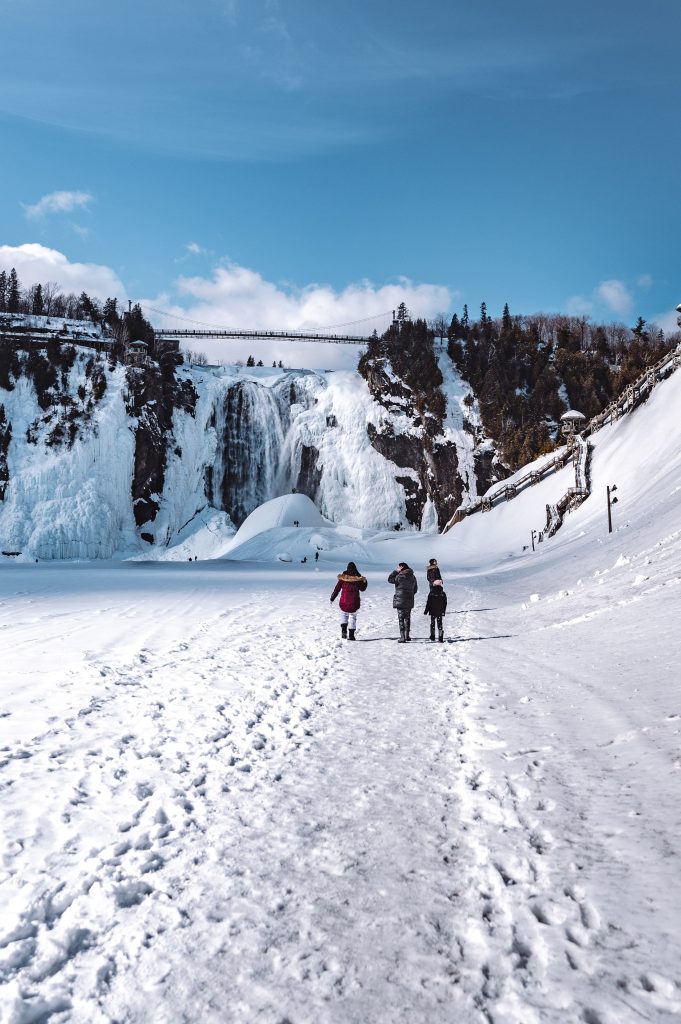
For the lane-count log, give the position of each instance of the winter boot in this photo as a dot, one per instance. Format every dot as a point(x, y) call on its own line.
point(441, 636)
point(407, 630)
point(344, 630)
point(351, 634)
point(432, 631)
point(402, 636)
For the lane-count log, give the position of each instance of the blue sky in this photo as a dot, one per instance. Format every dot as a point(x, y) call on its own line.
point(260, 160)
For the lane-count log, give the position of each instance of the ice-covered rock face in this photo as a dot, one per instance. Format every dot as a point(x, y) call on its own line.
point(123, 461)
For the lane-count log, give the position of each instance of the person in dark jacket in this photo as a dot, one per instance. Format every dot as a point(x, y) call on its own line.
point(405, 587)
point(350, 584)
point(432, 572)
point(436, 607)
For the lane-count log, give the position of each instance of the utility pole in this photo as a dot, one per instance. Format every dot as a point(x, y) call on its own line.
point(533, 535)
point(611, 501)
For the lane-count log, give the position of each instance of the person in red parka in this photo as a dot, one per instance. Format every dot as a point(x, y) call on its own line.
point(350, 584)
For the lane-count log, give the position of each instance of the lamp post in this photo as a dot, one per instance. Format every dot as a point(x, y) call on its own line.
point(611, 501)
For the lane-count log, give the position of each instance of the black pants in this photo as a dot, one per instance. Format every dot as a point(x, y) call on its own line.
point(404, 619)
point(433, 620)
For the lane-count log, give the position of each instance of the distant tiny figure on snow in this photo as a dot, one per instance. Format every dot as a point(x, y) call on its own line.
point(436, 607)
point(350, 584)
point(303, 560)
point(432, 572)
point(403, 600)
point(316, 556)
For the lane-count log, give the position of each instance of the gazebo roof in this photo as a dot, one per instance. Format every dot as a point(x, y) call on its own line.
point(572, 414)
point(138, 344)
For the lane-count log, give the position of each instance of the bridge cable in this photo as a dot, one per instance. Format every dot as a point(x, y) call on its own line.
point(221, 327)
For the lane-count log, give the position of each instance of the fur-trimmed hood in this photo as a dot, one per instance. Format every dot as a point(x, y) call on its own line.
point(345, 577)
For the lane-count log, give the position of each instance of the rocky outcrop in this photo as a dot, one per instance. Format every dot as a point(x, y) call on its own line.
point(153, 396)
point(420, 447)
point(310, 473)
point(5, 438)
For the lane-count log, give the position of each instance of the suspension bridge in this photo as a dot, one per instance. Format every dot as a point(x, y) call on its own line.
point(165, 334)
point(333, 335)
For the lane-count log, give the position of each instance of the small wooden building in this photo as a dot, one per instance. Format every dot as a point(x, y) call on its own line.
point(137, 353)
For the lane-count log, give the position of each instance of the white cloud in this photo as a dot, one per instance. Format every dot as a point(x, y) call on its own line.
point(57, 202)
point(667, 321)
point(611, 295)
point(577, 305)
point(237, 297)
point(645, 281)
point(36, 263)
point(615, 295)
point(194, 248)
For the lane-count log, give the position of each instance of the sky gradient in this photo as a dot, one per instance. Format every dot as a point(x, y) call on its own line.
point(249, 163)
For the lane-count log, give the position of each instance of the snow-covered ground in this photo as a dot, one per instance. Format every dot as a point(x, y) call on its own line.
point(216, 811)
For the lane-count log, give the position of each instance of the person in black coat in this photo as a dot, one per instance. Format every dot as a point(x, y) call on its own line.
point(403, 600)
point(432, 572)
point(436, 607)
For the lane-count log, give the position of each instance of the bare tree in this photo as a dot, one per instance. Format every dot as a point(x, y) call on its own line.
point(51, 294)
point(194, 358)
point(439, 325)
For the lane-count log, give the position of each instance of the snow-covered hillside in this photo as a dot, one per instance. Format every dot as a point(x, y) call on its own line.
point(217, 812)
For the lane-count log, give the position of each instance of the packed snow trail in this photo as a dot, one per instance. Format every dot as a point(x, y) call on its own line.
point(247, 820)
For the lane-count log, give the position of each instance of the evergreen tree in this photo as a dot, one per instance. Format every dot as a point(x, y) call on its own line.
point(403, 314)
point(13, 295)
point(506, 322)
point(638, 331)
point(110, 313)
point(138, 328)
point(88, 308)
point(3, 290)
point(38, 306)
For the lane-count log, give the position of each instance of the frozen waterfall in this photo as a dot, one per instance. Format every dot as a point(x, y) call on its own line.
point(252, 462)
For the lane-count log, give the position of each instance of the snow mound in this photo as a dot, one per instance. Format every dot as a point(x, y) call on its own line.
point(284, 511)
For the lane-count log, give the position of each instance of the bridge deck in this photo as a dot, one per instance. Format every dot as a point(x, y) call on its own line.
point(334, 339)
